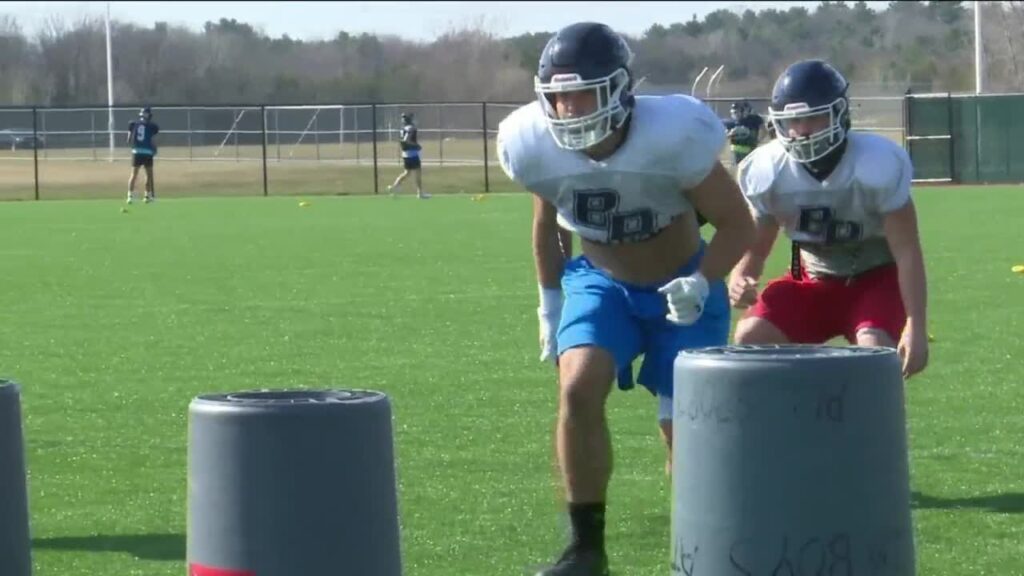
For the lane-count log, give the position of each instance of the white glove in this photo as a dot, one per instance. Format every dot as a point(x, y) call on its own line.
point(686, 298)
point(550, 314)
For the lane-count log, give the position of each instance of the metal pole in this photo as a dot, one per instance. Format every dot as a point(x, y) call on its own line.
point(693, 89)
point(110, 88)
point(35, 149)
point(263, 142)
point(234, 132)
point(42, 128)
point(277, 132)
point(440, 130)
point(715, 82)
point(979, 52)
point(977, 138)
point(711, 83)
point(487, 179)
point(952, 138)
point(373, 117)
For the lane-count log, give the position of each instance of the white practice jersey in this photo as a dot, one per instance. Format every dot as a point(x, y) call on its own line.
point(838, 222)
point(672, 144)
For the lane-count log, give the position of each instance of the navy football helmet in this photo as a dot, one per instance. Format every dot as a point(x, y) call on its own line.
point(586, 56)
point(407, 117)
point(740, 109)
point(145, 113)
point(810, 91)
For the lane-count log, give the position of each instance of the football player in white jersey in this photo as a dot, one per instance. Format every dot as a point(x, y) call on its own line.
point(843, 198)
point(627, 174)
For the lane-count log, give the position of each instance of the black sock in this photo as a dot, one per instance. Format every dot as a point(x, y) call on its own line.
point(587, 525)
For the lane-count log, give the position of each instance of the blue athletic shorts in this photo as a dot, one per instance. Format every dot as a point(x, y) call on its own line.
point(628, 320)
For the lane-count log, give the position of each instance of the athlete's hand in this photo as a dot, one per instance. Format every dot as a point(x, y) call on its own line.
point(742, 291)
point(550, 314)
point(913, 349)
point(685, 296)
point(548, 329)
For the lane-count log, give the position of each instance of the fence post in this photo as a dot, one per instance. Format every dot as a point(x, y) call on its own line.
point(977, 139)
point(188, 128)
point(905, 111)
point(358, 135)
point(263, 130)
point(373, 117)
point(440, 129)
point(316, 133)
point(35, 149)
point(42, 124)
point(952, 138)
point(277, 132)
point(487, 179)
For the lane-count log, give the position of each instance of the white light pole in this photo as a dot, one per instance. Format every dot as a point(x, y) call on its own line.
point(110, 89)
point(979, 52)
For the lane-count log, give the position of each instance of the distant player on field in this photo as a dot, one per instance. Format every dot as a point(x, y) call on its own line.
point(410, 156)
point(140, 138)
point(744, 130)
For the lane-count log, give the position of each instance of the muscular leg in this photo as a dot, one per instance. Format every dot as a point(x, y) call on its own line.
point(584, 449)
point(583, 441)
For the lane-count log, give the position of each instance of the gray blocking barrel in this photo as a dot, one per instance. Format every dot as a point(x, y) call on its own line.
point(790, 461)
point(15, 545)
point(290, 482)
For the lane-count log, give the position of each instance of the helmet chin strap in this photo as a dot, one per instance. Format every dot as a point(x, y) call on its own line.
point(822, 167)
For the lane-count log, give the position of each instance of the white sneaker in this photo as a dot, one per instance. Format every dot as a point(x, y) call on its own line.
point(149, 199)
point(130, 199)
point(424, 196)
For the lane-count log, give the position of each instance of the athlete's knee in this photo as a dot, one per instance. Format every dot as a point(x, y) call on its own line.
point(666, 431)
point(585, 379)
point(757, 330)
point(874, 337)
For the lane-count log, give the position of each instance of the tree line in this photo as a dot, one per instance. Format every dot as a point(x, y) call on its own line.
point(924, 46)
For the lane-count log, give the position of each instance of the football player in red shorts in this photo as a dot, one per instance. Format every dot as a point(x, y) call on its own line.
point(843, 198)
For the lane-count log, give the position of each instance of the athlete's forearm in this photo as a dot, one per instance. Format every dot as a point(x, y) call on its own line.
point(751, 265)
point(733, 237)
point(548, 257)
point(913, 287)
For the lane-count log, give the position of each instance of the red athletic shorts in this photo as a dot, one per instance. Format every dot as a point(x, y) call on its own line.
point(813, 311)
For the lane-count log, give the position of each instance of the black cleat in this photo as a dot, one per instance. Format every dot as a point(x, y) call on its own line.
point(579, 562)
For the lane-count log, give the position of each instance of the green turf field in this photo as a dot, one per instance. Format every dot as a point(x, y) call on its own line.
point(113, 322)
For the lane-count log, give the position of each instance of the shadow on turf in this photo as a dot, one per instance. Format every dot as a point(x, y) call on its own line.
point(1010, 503)
point(169, 547)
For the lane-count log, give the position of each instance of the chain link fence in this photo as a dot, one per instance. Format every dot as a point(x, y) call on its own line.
point(53, 153)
